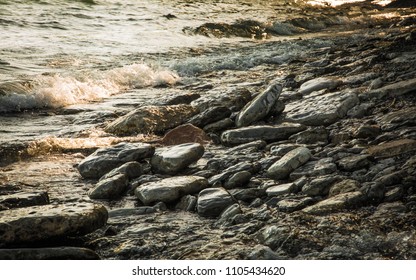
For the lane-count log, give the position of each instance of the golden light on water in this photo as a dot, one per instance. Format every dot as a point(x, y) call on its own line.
point(335, 3)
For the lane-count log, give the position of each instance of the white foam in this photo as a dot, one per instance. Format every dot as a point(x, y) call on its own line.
point(54, 91)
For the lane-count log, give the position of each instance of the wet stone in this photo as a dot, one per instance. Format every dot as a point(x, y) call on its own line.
point(37, 223)
point(104, 160)
point(23, 199)
point(187, 203)
point(172, 159)
point(288, 163)
point(238, 180)
point(170, 189)
point(110, 188)
point(213, 201)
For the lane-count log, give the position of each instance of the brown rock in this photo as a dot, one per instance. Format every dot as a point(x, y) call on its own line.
point(393, 148)
point(186, 133)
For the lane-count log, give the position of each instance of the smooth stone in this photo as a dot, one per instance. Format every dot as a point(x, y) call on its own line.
point(320, 167)
point(280, 189)
point(336, 203)
point(355, 162)
point(210, 115)
point(288, 163)
point(347, 185)
point(131, 169)
point(238, 180)
point(319, 84)
point(393, 148)
point(322, 109)
point(187, 203)
point(23, 199)
point(37, 223)
point(392, 90)
point(320, 186)
point(186, 133)
point(110, 188)
point(219, 125)
point(213, 201)
point(262, 132)
point(170, 189)
point(313, 135)
point(260, 107)
point(53, 253)
point(294, 204)
point(172, 159)
point(104, 160)
point(151, 119)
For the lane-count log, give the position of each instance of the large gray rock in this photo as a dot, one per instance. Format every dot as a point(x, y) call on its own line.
point(104, 160)
point(23, 199)
point(289, 162)
point(336, 203)
point(172, 159)
point(262, 132)
point(151, 119)
point(54, 253)
point(39, 223)
point(110, 188)
point(318, 84)
point(213, 201)
point(261, 106)
point(170, 189)
point(320, 110)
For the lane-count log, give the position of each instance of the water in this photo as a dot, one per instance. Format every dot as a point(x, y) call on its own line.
point(97, 59)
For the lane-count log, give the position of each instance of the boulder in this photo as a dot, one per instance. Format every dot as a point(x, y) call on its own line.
point(110, 188)
point(319, 84)
point(260, 107)
point(23, 199)
point(289, 162)
point(186, 133)
point(213, 201)
point(336, 203)
point(38, 223)
point(104, 160)
point(172, 159)
point(262, 132)
point(54, 253)
point(151, 119)
point(320, 110)
point(170, 189)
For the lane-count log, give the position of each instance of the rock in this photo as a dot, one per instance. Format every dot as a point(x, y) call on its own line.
point(58, 253)
point(131, 169)
point(261, 252)
point(263, 132)
point(281, 189)
point(394, 194)
point(187, 203)
point(347, 185)
point(320, 186)
point(322, 109)
point(336, 203)
point(228, 214)
point(104, 160)
point(319, 84)
point(393, 120)
point(128, 212)
point(247, 195)
point(210, 115)
point(234, 99)
point(151, 119)
point(232, 170)
point(294, 204)
point(23, 199)
point(282, 149)
point(170, 189)
point(213, 201)
point(315, 168)
point(392, 90)
point(110, 188)
point(367, 131)
point(393, 148)
point(238, 180)
point(183, 99)
point(289, 162)
point(313, 135)
point(37, 223)
point(219, 125)
point(355, 162)
point(186, 133)
point(172, 159)
point(260, 107)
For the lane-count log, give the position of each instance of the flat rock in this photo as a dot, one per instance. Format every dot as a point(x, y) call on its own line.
point(104, 160)
point(393, 148)
point(289, 162)
point(110, 188)
point(172, 159)
point(280, 189)
point(320, 186)
point(294, 204)
point(219, 125)
point(186, 133)
point(344, 186)
point(313, 135)
point(170, 189)
point(151, 119)
point(354, 162)
point(261, 106)
point(54, 253)
point(321, 109)
point(210, 115)
point(319, 84)
point(336, 203)
point(23, 199)
point(315, 168)
point(262, 132)
point(39, 223)
point(213, 201)
point(392, 90)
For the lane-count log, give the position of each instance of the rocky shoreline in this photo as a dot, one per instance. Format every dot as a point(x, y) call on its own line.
point(316, 162)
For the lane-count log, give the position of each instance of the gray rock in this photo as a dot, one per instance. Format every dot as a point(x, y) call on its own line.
point(247, 195)
point(57, 253)
point(347, 185)
point(320, 167)
point(235, 99)
point(37, 223)
point(229, 213)
point(187, 203)
point(104, 160)
point(129, 212)
point(23, 199)
point(319, 84)
point(355, 162)
point(294, 204)
point(151, 119)
point(367, 131)
point(219, 125)
point(282, 149)
point(227, 173)
point(213, 201)
point(392, 90)
point(260, 106)
point(261, 252)
point(322, 109)
point(313, 135)
point(394, 194)
point(393, 120)
point(320, 186)
point(210, 115)
point(131, 169)
point(238, 180)
point(336, 203)
point(110, 188)
point(281, 189)
point(170, 189)
point(263, 132)
point(172, 159)
point(289, 162)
